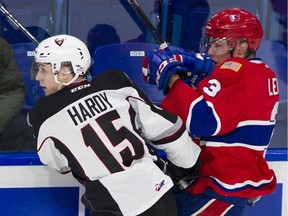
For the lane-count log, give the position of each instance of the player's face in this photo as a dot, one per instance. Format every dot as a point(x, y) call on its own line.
point(218, 51)
point(46, 79)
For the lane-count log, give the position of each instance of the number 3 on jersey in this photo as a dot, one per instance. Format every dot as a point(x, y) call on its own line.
point(115, 136)
point(213, 89)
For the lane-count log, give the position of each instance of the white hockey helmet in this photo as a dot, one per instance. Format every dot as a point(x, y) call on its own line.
point(64, 48)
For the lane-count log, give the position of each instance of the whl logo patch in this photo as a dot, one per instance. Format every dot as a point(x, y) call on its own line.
point(158, 186)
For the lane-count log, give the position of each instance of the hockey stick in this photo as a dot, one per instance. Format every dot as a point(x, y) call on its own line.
point(183, 73)
point(136, 7)
point(17, 24)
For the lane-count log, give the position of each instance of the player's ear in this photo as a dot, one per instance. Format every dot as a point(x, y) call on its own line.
point(66, 71)
point(64, 74)
point(242, 47)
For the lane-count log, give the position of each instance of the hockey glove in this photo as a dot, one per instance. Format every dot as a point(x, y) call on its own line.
point(199, 66)
point(158, 66)
point(182, 177)
point(160, 161)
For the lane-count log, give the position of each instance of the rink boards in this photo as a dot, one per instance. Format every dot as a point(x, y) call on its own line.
point(28, 188)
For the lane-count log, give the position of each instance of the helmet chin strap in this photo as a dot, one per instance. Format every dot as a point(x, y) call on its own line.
point(72, 80)
point(230, 52)
point(61, 84)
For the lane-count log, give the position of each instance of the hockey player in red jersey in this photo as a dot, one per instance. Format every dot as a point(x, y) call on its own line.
point(100, 131)
point(231, 111)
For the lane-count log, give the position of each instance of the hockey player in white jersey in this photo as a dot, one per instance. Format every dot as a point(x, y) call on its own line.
point(100, 131)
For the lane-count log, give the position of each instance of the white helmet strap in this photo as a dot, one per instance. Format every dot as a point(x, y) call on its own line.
point(60, 86)
point(72, 80)
point(67, 83)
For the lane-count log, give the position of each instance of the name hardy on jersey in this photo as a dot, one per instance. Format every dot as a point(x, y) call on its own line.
point(89, 108)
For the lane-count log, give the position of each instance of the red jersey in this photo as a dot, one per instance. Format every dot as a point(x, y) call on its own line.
point(233, 113)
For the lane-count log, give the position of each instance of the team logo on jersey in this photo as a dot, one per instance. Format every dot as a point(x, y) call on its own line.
point(235, 66)
point(158, 186)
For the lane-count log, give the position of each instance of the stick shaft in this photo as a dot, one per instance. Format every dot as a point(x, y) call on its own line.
point(134, 4)
point(17, 24)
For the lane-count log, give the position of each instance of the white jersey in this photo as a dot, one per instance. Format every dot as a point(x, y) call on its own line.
point(99, 131)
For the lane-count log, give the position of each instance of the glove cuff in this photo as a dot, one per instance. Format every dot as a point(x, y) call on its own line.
point(164, 72)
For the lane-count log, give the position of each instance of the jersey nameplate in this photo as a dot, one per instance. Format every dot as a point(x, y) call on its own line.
point(88, 108)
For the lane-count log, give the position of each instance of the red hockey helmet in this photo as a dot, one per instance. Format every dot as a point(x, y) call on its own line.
point(235, 23)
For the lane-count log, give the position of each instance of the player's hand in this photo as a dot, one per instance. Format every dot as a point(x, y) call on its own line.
point(180, 176)
point(199, 66)
point(158, 66)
